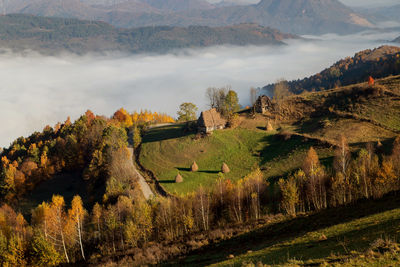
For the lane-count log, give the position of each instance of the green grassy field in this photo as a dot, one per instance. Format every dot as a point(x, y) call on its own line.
point(339, 237)
point(166, 151)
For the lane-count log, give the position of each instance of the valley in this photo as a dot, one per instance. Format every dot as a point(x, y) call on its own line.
point(199, 133)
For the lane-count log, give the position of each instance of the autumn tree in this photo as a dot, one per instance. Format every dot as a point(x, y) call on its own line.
point(316, 190)
point(57, 220)
point(341, 165)
point(76, 216)
point(97, 213)
point(290, 195)
point(123, 117)
point(187, 112)
point(231, 103)
point(137, 138)
point(42, 252)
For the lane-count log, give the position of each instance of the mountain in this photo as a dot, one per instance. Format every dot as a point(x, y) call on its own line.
point(294, 16)
point(382, 14)
point(397, 40)
point(52, 35)
point(179, 5)
point(378, 63)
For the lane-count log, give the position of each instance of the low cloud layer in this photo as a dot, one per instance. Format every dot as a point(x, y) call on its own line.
point(36, 91)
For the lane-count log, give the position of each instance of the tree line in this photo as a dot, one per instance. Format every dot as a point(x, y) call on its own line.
point(121, 224)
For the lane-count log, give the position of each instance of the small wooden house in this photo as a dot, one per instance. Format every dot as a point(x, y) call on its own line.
point(263, 104)
point(210, 120)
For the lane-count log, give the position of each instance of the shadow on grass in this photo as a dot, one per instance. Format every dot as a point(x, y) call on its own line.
point(165, 133)
point(183, 169)
point(167, 181)
point(202, 171)
point(287, 230)
point(282, 148)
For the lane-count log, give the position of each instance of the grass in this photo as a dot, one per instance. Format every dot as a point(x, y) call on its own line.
point(166, 156)
point(349, 231)
point(242, 149)
point(168, 150)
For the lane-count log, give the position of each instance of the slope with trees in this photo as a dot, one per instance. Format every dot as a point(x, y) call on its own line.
point(378, 63)
point(52, 35)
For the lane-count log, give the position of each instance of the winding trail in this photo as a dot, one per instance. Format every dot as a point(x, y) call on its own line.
point(146, 190)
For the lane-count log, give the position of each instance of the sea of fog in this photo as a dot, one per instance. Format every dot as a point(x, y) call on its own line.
point(36, 90)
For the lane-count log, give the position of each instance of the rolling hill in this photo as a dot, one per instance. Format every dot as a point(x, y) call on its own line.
point(316, 119)
point(378, 63)
point(294, 16)
point(52, 35)
point(287, 200)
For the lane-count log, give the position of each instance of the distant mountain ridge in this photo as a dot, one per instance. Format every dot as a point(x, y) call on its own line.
point(52, 35)
point(294, 16)
point(378, 63)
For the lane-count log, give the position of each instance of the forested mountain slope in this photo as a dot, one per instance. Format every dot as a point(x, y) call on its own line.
point(51, 35)
point(378, 63)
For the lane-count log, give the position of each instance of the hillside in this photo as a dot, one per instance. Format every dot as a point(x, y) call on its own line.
point(378, 63)
point(364, 234)
point(313, 119)
point(313, 180)
point(397, 40)
point(294, 16)
point(52, 35)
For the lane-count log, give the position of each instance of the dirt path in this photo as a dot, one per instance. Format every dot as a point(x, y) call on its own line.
point(146, 190)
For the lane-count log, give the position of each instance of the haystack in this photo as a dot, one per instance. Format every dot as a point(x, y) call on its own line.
point(269, 126)
point(178, 178)
point(225, 168)
point(194, 167)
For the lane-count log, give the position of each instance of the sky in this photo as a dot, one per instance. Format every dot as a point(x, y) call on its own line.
point(373, 3)
point(36, 91)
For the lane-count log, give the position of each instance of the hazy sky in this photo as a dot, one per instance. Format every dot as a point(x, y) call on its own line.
point(347, 2)
point(36, 90)
point(370, 2)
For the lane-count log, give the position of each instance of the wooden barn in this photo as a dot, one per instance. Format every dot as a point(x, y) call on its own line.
point(210, 120)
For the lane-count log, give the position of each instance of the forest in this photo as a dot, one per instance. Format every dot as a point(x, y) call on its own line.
point(54, 35)
point(150, 232)
point(377, 63)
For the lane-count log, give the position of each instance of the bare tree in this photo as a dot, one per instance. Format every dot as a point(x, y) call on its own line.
point(216, 96)
point(281, 91)
point(253, 95)
point(211, 95)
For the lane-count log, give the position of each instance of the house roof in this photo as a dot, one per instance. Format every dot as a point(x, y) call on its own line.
point(212, 118)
